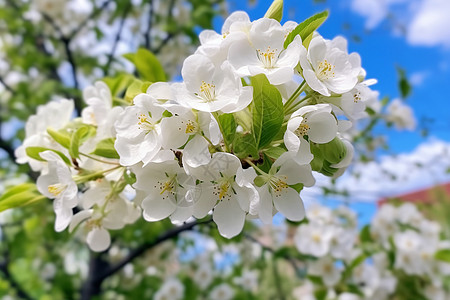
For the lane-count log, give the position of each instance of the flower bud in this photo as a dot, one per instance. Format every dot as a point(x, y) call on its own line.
point(334, 151)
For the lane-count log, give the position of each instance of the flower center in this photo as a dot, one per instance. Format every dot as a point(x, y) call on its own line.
point(268, 58)
point(303, 129)
point(167, 186)
point(325, 70)
point(278, 184)
point(316, 238)
point(56, 189)
point(191, 127)
point(208, 91)
point(144, 123)
point(222, 190)
point(356, 97)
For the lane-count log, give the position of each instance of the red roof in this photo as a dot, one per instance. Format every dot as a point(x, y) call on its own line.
point(428, 195)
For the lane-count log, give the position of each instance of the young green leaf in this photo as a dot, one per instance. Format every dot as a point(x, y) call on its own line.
point(228, 127)
point(105, 148)
point(76, 141)
point(60, 137)
point(34, 152)
point(147, 65)
point(443, 255)
point(403, 83)
point(306, 29)
point(267, 110)
point(19, 195)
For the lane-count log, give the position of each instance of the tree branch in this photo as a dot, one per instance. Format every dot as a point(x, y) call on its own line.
point(169, 35)
point(99, 270)
point(70, 59)
point(7, 87)
point(148, 35)
point(94, 14)
point(117, 39)
point(144, 247)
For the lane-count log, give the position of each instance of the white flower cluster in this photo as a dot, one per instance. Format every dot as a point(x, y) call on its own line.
point(399, 247)
point(332, 237)
point(255, 114)
point(414, 240)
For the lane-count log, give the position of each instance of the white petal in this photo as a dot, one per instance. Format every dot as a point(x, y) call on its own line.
point(290, 204)
point(157, 208)
point(98, 239)
point(315, 83)
point(174, 133)
point(265, 209)
point(180, 215)
point(229, 217)
point(205, 200)
point(323, 127)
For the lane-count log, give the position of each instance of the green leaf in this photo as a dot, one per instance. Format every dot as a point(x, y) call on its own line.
point(403, 83)
point(60, 137)
point(274, 152)
point(365, 236)
point(17, 189)
point(297, 187)
point(228, 127)
point(21, 195)
point(147, 65)
point(244, 145)
point(105, 148)
point(130, 177)
point(135, 88)
point(443, 255)
point(34, 152)
point(267, 111)
point(306, 29)
point(77, 140)
point(275, 10)
point(118, 83)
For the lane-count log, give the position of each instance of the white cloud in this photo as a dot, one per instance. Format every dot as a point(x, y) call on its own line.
point(427, 22)
point(374, 10)
point(430, 25)
point(424, 167)
point(418, 78)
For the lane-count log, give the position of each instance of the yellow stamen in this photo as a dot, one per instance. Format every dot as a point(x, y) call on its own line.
point(223, 190)
point(325, 70)
point(268, 58)
point(208, 91)
point(56, 189)
point(144, 123)
point(191, 127)
point(303, 129)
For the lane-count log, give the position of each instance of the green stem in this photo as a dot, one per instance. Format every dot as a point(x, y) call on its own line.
point(88, 177)
point(255, 166)
point(296, 93)
point(99, 160)
point(297, 105)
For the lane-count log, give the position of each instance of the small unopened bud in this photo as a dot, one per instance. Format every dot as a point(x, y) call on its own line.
point(334, 151)
point(275, 10)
